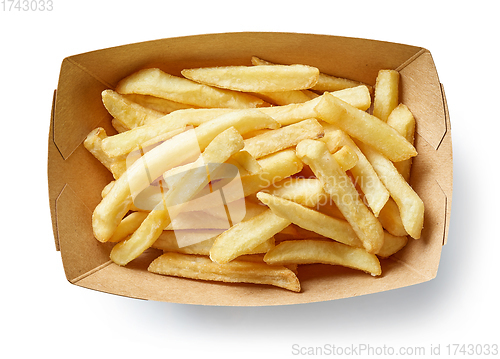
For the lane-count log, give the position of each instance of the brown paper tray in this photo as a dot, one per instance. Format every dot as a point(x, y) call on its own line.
point(76, 178)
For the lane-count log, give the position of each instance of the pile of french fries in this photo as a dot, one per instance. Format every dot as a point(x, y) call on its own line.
point(243, 173)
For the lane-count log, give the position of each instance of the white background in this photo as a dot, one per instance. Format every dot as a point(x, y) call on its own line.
point(43, 314)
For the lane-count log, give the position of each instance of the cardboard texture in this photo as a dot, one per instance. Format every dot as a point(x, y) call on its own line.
point(76, 178)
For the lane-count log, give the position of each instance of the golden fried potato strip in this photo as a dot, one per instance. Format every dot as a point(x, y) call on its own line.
point(342, 191)
point(237, 271)
point(309, 251)
point(364, 127)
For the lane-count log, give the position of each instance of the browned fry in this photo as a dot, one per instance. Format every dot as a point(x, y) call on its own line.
point(238, 271)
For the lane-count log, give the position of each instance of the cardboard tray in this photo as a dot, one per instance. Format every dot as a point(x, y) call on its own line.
point(76, 178)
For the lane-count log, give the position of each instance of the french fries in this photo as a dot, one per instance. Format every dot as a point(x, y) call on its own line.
point(409, 203)
point(265, 78)
point(375, 193)
point(312, 220)
point(365, 127)
point(157, 83)
point(93, 143)
point(244, 173)
point(198, 267)
point(386, 94)
point(216, 152)
point(284, 137)
point(340, 188)
point(245, 236)
point(128, 113)
point(308, 251)
point(402, 120)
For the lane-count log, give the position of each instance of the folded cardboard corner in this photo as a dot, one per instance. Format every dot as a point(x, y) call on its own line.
point(76, 178)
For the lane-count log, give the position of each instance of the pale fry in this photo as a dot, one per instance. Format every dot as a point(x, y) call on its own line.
point(311, 220)
point(386, 93)
point(130, 114)
point(410, 205)
point(284, 137)
point(342, 191)
point(185, 188)
point(309, 251)
point(245, 236)
point(402, 120)
point(157, 83)
point(374, 190)
point(238, 271)
point(364, 127)
point(93, 143)
point(265, 78)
